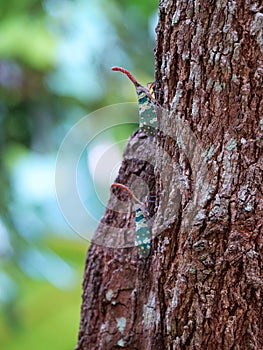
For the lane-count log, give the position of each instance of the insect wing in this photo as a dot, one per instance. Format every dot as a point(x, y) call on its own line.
point(147, 113)
point(143, 235)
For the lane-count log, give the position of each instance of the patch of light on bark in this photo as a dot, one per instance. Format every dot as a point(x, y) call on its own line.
point(109, 294)
point(121, 324)
point(257, 29)
point(231, 144)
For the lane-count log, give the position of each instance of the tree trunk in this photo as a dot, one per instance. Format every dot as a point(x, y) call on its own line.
point(201, 286)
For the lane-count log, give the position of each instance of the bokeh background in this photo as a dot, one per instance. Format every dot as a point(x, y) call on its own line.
point(55, 60)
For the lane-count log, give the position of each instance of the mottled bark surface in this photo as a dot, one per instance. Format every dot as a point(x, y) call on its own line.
point(201, 287)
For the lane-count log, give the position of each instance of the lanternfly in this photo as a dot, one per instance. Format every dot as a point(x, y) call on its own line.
point(147, 112)
point(143, 235)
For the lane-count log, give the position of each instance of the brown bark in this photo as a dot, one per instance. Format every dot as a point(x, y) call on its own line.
point(201, 287)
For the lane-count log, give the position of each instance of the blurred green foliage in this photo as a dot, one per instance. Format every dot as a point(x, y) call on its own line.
point(42, 315)
point(55, 60)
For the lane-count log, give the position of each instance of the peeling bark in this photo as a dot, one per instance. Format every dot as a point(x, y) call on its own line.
point(201, 287)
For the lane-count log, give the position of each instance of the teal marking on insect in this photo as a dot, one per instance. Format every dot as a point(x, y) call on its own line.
point(143, 235)
point(147, 112)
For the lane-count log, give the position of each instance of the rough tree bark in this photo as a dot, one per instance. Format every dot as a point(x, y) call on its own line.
point(201, 287)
